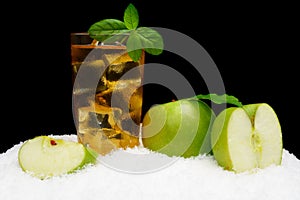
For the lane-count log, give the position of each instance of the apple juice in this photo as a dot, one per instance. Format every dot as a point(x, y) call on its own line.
point(107, 95)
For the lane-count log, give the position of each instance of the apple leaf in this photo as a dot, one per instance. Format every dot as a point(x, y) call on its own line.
point(131, 17)
point(219, 99)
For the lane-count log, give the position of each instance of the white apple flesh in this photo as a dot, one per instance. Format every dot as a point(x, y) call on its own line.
point(46, 157)
point(247, 138)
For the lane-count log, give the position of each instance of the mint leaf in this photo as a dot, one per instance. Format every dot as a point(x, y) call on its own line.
point(106, 28)
point(137, 39)
point(152, 41)
point(134, 46)
point(219, 99)
point(144, 38)
point(131, 17)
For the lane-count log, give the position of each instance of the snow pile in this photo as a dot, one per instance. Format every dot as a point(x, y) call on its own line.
point(113, 177)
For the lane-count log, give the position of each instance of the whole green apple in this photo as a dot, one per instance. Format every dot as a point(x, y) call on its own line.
point(247, 137)
point(179, 128)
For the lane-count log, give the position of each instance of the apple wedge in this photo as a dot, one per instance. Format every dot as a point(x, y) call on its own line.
point(247, 137)
point(46, 157)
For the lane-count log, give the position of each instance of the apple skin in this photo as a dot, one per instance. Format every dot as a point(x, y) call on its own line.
point(45, 157)
point(262, 144)
point(178, 128)
point(219, 139)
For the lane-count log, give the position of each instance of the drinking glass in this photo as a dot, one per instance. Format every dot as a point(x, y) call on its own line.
point(107, 92)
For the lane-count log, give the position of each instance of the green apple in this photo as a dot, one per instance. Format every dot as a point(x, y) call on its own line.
point(46, 157)
point(179, 128)
point(247, 137)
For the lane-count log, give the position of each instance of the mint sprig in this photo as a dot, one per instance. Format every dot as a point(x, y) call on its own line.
point(138, 38)
point(220, 99)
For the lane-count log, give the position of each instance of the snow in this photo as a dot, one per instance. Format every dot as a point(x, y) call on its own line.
point(141, 174)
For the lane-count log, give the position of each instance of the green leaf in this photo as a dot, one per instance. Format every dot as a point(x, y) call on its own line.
point(219, 99)
point(134, 46)
point(113, 30)
point(151, 40)
point(106, 28)
point(144, 38)
point(131, 17)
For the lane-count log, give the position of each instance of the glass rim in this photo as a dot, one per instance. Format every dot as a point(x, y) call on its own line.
point(87, 34)
point(79, 33)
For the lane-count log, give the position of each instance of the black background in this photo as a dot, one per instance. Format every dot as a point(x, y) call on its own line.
point(253, 45)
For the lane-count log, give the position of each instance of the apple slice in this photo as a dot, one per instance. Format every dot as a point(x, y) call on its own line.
point(46, 157)
point(247, 137)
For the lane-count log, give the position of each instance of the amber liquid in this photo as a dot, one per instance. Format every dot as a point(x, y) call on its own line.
point(107, 115)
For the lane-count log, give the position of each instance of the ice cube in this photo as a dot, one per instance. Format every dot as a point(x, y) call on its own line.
point(96, 139)
point(116, 58)
point(89, 73)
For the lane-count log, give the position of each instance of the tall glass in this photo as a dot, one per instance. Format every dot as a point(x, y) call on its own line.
point(107, 93)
